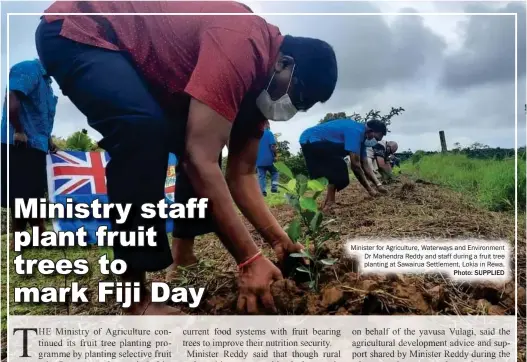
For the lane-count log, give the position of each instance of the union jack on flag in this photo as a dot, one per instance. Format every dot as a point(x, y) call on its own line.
point(81, 176)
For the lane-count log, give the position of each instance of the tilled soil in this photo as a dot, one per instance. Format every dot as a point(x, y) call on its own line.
point(411, 210)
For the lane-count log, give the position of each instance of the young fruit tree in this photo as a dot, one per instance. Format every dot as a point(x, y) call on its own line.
point(307, 227)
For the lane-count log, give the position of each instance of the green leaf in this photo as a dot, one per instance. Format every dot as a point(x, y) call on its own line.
point(282, 186)
point(307, 203)
point(293, 201)
point(316, 221)
point(297, 255)
point(314, 185)
point(323, 181)
point(307, 216)
point(294, 230)
point(328, 261)
point(316, 195)
point(291, 185)
point(312, 284)
point(301, 182)
point(306, 254)
point(303, 269)
point(307, 243)
point(283, 169)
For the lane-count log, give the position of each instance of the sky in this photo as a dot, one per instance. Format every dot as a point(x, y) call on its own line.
point(453, 72)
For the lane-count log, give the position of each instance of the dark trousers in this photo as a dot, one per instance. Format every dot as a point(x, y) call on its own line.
point(326, 159)
point(27, 180)
point(108, 90)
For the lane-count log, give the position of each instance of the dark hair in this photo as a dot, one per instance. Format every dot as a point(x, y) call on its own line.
point(377, 126)
point(315, 65)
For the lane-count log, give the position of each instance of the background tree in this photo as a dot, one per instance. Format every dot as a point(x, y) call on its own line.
point(332, 116)
point(282, 147)
point(79, 141)
point(59, 142)
point(371, 115)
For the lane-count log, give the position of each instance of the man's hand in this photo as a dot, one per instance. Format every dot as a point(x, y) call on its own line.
point(382, 189)
point(284, 247)
point(254, 284)
point(20, 137)
point(52, 147)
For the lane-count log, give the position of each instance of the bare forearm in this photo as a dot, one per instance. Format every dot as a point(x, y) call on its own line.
point(386, 169)
point(359, 173)
point(210, 183)
point(247, 196)
point(369, 173)
point(14, 112)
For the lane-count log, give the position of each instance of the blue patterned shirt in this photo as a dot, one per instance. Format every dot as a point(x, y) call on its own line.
point(37, 104)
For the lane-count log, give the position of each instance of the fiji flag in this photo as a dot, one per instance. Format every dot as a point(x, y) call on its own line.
point(81, 177)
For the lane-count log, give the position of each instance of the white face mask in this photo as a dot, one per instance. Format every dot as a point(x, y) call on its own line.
point(370, 143)
point(280, 110)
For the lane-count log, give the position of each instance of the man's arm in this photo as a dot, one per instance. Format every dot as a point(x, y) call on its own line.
point(23, 79)
point(52, 145)
point(384, 167)
point(272, 145)
point(14, 112)
point(369, 172)
point(245, 190)
point(356, 167)
point(273, 151)
point(207, 134)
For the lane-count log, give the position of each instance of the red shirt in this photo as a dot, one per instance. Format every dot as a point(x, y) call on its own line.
point(219, 60)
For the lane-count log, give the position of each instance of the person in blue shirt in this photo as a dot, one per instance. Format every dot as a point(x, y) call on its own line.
point(324, 147)
point(265, 159)
point(27, 135)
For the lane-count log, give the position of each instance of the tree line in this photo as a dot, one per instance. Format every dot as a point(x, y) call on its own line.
point(81, 141)
point(78, 141)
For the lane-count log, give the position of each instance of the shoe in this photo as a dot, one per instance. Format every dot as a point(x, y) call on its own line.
point(265, 194)
point(274, 191)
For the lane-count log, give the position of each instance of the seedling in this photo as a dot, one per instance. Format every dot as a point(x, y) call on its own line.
point(307, 226)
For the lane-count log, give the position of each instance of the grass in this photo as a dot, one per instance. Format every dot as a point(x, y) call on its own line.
point(489, 182)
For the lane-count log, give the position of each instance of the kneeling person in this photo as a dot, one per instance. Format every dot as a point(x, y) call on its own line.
point(324, 147)
point(383, 151)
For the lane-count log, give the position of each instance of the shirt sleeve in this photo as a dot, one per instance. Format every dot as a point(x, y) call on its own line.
point(363, 153)
point(353, 142)
point(272, 140)
point(226, 70)
point(24, 78)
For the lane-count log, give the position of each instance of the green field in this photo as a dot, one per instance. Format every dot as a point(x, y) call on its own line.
point(489, 182)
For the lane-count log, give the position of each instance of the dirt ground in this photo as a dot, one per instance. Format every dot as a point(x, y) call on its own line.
point(412, 209)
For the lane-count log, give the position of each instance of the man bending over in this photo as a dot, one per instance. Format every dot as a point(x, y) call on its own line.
point(324, 147)
point(186, 84)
